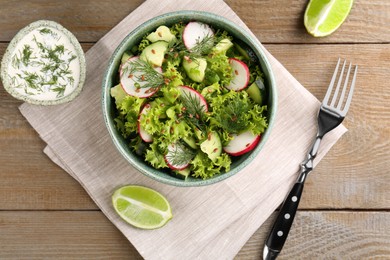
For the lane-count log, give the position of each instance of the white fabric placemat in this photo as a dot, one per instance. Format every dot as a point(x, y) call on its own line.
point(211, 222)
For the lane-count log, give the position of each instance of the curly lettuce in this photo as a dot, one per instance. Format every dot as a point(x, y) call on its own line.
point(155, 156)
point(219, 64)
point(128, 108)
point(203, 167)
point(234, 113)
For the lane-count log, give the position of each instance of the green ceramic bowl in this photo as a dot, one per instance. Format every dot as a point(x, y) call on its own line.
point(111, 79)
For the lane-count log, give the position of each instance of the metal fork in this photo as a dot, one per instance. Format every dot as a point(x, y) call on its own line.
point(331, 114)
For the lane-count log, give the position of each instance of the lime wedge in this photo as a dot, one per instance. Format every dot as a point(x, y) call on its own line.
point(142, 207)
point(323, 17)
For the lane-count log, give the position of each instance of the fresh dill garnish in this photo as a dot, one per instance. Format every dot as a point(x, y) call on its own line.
point(24, 57)
point(231, 115)
point(43, 66)
point(31, 80)
point(47, 31)
point(26, 54)
point(203, 46)
point(60, 90)
point(15, 82)
point(145, 73)
point(193, 110)
point(180, 154)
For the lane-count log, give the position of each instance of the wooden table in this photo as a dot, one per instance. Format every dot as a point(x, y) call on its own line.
point(344, 213)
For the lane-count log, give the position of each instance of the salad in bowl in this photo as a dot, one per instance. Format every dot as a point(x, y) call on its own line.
point(188, 101)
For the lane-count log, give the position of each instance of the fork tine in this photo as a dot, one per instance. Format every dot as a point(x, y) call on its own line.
point(349, 99)
point(336, 92)
point(327, 95)
point(344, 88)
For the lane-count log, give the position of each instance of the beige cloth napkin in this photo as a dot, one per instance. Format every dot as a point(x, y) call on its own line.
point(211, 222)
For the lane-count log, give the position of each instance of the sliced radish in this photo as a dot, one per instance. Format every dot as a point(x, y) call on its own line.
point(242, 143)
point(240, 78)
point(172, 157)
point(129, 81)
point(195, 32)
point(145, 136)
point(192, 93)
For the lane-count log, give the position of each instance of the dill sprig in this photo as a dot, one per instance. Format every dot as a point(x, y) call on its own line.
point(232, 115)
point(193, 111)
point(144, 72)
point(43, 67)
point(47, 31)
point(180, 154)
point(203, 47)
point(24, 57)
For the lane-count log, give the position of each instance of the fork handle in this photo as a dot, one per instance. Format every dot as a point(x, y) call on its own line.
point(279, 232)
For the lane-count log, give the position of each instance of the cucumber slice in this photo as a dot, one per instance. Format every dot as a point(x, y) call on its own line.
point(222, 46)
point(254, 93)
point(245, 51)
point(154, 53)
point(181, 174)
point(162, 33)
point(126, 56)
point(212, 146)
point(195, 68)
point(191, 142)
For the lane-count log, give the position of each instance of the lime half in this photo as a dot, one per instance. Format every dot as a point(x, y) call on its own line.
point(142, 207)
point(323, 17)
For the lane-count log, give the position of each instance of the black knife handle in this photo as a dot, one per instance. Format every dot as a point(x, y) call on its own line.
point(279, 232)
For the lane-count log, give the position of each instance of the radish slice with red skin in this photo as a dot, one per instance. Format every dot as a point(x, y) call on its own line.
point(241, 75)
point(185, 90)
point(145, 136)
point(169, 158)
point(242, 143)
point(128, 81)
point(195, 32)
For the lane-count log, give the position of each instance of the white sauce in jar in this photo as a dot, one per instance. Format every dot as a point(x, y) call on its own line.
point(44, 65)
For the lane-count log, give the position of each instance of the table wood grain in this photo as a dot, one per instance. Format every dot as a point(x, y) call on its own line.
point(345, 209)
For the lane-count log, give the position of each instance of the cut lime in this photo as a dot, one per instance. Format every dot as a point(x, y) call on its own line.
point(142, 207)
point(323, 17)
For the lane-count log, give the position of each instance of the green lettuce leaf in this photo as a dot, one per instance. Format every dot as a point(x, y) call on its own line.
point(203, 167)
point(174, 76)
point(118, 94)
point(234, 113)
point(128, 110)
point(219, 63)
point(155, 157)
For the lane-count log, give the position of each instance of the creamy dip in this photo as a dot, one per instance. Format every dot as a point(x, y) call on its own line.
point(44, 65)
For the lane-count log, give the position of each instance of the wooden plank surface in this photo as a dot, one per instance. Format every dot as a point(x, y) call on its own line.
point(44, 213)
point(273, 21)
point(88, 20)
point(89, 235)
point(329, 235)
point(282, 21)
